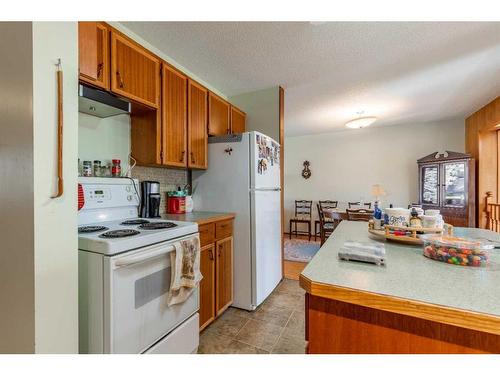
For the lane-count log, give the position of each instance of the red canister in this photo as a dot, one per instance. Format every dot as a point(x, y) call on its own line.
point(176, 205)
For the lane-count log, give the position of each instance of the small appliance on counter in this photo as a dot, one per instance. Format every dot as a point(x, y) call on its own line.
point(150, 199)
point(176, 201)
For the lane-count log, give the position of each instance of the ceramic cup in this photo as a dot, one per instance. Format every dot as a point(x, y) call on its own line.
point(429, 221)
point(432, 212)
point(398, 216)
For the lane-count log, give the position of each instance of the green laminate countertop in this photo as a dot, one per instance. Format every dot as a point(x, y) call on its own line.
point(200, 217)
point(408, 275)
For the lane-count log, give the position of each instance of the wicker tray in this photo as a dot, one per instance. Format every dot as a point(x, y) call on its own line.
point(411, 233)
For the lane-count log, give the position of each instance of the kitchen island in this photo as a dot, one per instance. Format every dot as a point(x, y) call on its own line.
point(411, 305)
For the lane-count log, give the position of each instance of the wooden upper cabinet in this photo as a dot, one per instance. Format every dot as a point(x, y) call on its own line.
point(93, 53)
point(238, 121)
point(218, 115)
point(224, 274)
point(174, 110)
point(197, 126)
point(135, 72)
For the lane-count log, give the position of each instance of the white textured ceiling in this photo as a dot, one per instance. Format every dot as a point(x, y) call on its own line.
point(411, 72)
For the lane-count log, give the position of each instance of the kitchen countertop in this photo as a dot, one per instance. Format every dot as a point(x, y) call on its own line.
point(410, 283)
point(200, 217)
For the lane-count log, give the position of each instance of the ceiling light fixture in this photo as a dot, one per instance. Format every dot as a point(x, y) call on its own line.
point(361, 121)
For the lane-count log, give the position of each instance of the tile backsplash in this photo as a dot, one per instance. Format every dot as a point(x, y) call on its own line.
point(169, 179)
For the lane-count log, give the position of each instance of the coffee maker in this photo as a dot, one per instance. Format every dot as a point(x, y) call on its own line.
point(150, 199)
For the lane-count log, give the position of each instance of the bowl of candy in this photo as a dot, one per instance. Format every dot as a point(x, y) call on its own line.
point(456, 250)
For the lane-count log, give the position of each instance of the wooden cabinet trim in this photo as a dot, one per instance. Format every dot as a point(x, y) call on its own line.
point(115, 85)
point(436, 313)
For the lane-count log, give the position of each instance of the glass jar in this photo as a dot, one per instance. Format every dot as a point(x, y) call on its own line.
point(97, 168)
point(87, 168)
point(116, 169)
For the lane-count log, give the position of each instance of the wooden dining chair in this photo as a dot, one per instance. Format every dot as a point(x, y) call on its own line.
point(492, 213)
point(303, 210)
point(322, 205)
point(359, 215)
point(326, 228)
point(358, 204)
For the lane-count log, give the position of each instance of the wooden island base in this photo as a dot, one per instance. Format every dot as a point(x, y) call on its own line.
point(337, 327)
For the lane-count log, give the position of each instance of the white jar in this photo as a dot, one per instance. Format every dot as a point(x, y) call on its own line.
point(429, 221)
point(432, 212)
point(189, 203)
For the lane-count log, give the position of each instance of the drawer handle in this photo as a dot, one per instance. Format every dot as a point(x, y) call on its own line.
point(99, 69)
point(120, 80)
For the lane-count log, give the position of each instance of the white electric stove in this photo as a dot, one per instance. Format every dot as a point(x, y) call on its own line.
point(124, 274)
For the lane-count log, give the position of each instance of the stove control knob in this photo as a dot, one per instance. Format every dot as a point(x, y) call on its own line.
point(129, 198)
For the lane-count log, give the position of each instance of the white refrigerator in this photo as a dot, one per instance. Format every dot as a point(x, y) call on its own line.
point(243, 177)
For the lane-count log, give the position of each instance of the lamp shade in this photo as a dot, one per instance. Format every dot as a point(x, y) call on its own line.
point(378, 191)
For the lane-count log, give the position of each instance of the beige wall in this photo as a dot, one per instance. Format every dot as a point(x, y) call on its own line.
point(346, 164)
point(104, 138)
point(17, 314)
point(262, 109)
point(56, 241)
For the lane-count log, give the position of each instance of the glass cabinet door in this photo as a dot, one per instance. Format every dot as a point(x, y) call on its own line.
point(429, 185)
point(454, 188)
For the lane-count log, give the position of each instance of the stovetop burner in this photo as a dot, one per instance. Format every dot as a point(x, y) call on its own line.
point(120, 233)
point(157, 225)
point(91, 228)
point(135, 222)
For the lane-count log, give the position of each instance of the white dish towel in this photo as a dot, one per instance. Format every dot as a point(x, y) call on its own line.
point(185, 274)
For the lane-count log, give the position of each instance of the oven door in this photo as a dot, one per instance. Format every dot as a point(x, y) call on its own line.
point(136, 312)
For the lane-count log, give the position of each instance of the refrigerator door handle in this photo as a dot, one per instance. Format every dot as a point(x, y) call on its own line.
point(265, 189)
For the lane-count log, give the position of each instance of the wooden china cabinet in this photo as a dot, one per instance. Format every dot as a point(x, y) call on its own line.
point(447, 183)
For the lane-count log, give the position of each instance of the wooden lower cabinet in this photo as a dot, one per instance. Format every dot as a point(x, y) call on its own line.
point(207, 285)
point(216, 266)
point(224, 272)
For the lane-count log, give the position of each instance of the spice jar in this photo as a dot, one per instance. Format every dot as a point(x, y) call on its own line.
point(97, 168)
point(116, 169)
point(87, 168)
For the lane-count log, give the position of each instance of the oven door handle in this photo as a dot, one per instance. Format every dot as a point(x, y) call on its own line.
point(127, 261)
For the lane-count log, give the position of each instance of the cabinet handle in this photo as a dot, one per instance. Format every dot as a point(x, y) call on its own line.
point(120, 80)
point(182, 156)
point(99, 69)
point(192, 158)
point(210, 254)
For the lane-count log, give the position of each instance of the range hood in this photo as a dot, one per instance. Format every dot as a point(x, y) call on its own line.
point(100, 103)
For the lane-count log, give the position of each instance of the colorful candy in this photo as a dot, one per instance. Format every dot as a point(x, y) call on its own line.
point(454, 250)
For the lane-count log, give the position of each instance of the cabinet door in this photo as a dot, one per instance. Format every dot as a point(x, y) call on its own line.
point(218, 115)
point(93, 53)
point(207, 285)
point(197, 126)
point(135, 73)
point(238, 121)
point(174, 110)
point(224, 272)
point(429, 185)
point(454, 186)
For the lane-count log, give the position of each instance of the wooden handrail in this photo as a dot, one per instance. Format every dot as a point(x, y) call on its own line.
point(60, 182)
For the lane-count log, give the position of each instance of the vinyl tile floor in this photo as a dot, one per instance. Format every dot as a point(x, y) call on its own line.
point(276, 326)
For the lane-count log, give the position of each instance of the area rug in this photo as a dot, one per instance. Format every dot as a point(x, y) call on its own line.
point(300, 250)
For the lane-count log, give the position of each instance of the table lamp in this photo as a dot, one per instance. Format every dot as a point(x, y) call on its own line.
point(377, 192)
